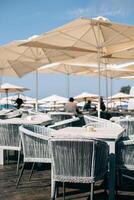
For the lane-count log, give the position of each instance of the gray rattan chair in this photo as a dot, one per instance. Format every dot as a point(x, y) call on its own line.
point(65, 123)
point(78, 161)
point(125, 159)
point(13, 114)
point(35, 147)
point(10, 138)
point(99, 122)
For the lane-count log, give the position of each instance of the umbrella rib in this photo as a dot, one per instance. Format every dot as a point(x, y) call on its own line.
point(13, 68)
point(82, 37)
point(20, 55)
point(72, 37)
point(115, 36)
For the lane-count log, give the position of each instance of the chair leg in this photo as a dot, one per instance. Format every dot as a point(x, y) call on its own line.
point(57, 190)
point(7, 156)
point(18, 162)
point(53, 190)
point(31, 171)
point(105, 184)
point(63, 190)
point(92, 191)
point(21, 173)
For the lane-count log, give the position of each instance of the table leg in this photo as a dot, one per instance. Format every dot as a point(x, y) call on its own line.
point(112, 172)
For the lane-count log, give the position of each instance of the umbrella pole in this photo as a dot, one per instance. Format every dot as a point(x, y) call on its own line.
point(1, 80)
point(111, 91)
point(36, 104)
point(7, 97)
point(106, 85)
point(98, 59)
point(68, 85)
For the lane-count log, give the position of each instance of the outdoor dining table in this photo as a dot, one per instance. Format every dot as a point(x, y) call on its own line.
point(33, 119)
point(107, 134)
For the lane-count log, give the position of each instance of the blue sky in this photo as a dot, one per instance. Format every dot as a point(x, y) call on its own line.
point(20, 19)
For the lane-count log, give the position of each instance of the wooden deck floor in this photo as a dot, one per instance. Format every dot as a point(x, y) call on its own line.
point(39, 187)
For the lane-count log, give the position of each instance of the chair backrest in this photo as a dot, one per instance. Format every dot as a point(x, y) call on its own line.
point(14, 113)
point(59, 116)
point(9, 136)
point(35, 143)
point(125, 154)
point(78, 160)
point(100, 123)
point(65, 123)
point(128, 125)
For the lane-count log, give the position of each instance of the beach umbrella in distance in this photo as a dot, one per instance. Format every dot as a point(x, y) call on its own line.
point(85, 96)
point(119, 97)
point(55, 99)
point(98, 35)
point(26, 99)
point(67, 68)
point(12, 99)
point(10, 88)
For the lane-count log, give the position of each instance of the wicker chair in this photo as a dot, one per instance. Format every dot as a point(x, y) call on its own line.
point(9, 138)
point(128, 125)
point(100, 123)
point(65, 123)
point(78, 161)
point(13, 114)
point(125, 159)
point(35, 147)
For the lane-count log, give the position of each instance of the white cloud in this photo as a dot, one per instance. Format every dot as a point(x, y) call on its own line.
point(108, 8)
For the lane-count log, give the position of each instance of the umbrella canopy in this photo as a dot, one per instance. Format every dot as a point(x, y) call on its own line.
point(97, 35)
point(10, 88)
point(115, 73)
point(53, 99)
point(128, 77)
point(85, 96)
point(120, 96)
point(89, 34)
point(68, 68)
point(26, 99)
point(19, 60)
point(12, 99)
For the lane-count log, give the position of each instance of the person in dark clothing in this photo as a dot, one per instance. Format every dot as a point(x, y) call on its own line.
point(87, 105)
point(19, 102)
point(102, 105)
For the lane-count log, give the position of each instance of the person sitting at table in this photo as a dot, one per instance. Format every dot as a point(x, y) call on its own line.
point(71, 106)
point(87, 106)
point(19, 102)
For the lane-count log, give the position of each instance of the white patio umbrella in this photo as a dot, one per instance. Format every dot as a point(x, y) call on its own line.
point(19, 60)
point(11, 99)
point(119, 97)
point(85, 96)
point(10, 88)
point(98, 35)
point(55, 99)
point(67, 68)
point(26, 99)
